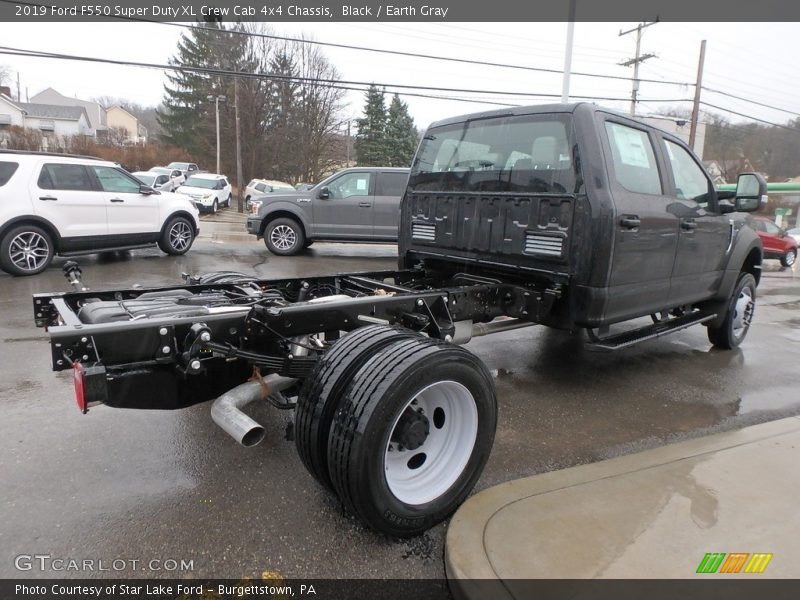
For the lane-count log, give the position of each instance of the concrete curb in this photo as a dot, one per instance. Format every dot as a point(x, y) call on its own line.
point(466, 556)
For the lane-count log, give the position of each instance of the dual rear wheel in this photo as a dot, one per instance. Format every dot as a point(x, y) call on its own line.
point(398, 426)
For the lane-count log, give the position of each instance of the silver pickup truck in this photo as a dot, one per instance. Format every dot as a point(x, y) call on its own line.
point(361, 204)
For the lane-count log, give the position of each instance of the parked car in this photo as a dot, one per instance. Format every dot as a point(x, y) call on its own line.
point(208, 191)
point(56, 204)
point(303, 187)
point(176, 176)
point(157, 181)
point(795, 233)
point(184, 167)
point(777, 242)
point(354, 205)
point(258, 187)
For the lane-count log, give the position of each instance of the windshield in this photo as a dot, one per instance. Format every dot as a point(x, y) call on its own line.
point(528, 153)
point(161, 171)
point(146, 179)
point(181, 166)
point(200, 182)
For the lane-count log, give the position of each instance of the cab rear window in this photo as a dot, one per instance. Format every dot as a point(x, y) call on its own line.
point(7, 169)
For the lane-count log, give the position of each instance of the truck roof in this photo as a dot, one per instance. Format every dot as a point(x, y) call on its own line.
point(514, 111)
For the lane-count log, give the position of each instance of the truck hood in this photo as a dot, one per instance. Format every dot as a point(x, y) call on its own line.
point(283, 196)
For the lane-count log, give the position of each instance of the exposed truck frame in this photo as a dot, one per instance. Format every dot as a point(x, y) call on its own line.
point(391, 414)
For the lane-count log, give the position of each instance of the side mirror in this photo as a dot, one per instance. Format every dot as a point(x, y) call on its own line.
point(146, 190)
point(324, 193)
point(751, 189)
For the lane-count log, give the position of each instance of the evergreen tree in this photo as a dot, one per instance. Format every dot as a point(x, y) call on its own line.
point(187, 118)
point(371, 148)
point(401, 134)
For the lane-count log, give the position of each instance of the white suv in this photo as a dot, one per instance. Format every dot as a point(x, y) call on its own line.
point(67, 205)
point(208, 191)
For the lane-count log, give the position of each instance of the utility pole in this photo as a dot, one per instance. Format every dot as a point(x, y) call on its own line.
point(568, 52)
point(347, 144)
point(239, 202)
point(639, 58)
point(19, 89)
point(216, 100)
point(697, 87)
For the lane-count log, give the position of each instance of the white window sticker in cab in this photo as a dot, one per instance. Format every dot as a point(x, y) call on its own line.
point(631, 145)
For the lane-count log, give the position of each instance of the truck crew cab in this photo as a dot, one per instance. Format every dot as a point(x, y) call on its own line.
point(569, 216)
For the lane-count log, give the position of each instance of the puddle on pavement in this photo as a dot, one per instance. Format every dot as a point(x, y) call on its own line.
point(774, 398)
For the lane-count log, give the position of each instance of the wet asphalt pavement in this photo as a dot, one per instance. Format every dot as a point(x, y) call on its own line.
point(150, 485)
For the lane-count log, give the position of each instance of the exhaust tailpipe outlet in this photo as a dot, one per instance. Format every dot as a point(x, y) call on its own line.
point(226, 410)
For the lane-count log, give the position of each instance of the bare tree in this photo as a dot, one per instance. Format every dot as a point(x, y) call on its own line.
point(5, 75)
point(318, 115)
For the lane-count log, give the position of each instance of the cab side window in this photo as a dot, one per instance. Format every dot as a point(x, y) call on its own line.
point(635, 165)
point(391, 184)
point(691, 182)
point(351, 184)
point(113, 180)
point(56, 176)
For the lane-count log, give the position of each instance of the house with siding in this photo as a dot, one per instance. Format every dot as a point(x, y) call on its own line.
point(54, 122)
point(95, 112)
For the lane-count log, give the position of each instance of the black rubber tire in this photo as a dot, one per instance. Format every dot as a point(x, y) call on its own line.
point(299, 236)
point(168, 244)
point(361, 429)
point(5, 250)
point(319, 397)
point(724, 336)
point(788, 259)
point(307, 243)
point(228, 201)
point(214, 206)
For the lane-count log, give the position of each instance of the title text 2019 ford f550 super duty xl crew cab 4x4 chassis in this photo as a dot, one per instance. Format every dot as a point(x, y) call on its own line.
point(568, 216)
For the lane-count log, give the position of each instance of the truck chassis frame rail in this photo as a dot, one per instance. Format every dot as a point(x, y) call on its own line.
point(312, 344)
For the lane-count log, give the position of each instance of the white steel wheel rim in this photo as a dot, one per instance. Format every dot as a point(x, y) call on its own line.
point(743, 312)
point(28, 250)
point(453, 415)
point(790, 257)
point(179, 235)
point(283, 237)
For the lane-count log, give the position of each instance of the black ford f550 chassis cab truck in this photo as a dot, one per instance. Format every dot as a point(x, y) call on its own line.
point(569, 216)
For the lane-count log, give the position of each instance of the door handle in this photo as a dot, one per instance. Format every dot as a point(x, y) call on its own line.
point(630, 222)
point(365, 204)
point(117, 200)
point(48, 198)
point(688, 225)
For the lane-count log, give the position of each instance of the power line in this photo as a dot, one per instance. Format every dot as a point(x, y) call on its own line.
point(330, 82)
point(738, 114)
point(729, 95)
point(368, 49)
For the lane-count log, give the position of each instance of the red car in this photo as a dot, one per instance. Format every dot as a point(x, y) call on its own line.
point(777, 244)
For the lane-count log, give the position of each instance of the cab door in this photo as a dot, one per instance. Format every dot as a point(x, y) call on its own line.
point(343, 206)
point(704, 233)
point(130, 213)
point(645, 230)
point(389, 190)
point(67, 195)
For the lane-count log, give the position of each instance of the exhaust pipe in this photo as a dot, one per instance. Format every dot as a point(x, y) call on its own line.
point(466, 330)
point(226, 410)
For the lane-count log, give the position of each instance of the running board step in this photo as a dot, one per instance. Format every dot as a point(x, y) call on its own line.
point(634, 336)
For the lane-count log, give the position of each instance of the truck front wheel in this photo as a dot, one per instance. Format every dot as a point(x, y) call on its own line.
point(284, 237)
point(738, 315)
point(412, 435)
